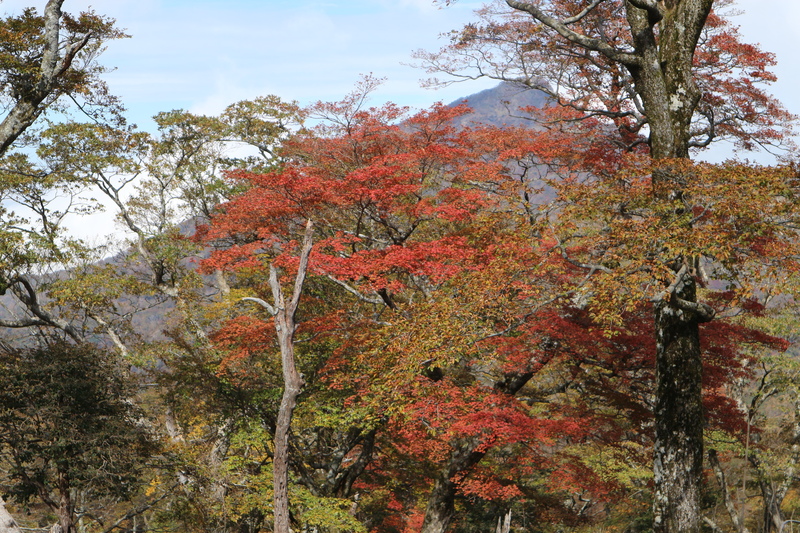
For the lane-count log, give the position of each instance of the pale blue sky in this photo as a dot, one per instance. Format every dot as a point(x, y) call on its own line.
point(202, 55)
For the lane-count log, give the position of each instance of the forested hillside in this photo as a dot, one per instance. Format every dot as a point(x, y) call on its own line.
point(148, 316)
point(531, 310)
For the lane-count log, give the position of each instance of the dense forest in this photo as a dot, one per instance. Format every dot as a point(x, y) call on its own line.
point(542, 314)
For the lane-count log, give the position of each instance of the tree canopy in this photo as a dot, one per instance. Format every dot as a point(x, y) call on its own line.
point(347, 317)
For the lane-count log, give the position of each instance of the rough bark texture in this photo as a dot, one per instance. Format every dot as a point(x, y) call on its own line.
point(442, 499)
point(292, 386)
point(678, 451)
point(664, 36)
point(31, 101)
point(670, 97)
point(66, 507)
point(663, 72)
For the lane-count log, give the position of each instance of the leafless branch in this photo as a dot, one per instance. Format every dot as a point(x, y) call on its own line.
point(586, 11)
point(271, 310)
point(355, 292)
point(625, 58)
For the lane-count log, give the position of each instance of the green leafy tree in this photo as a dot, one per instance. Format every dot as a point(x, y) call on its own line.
point(69, 434)
point(48, 65)
point(51, 57)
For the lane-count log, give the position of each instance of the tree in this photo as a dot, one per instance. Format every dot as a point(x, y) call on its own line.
point(171, 180)
point(511, 44)
point(161, 185)
point(395, 203)
point(285, 326)
point(434, 291)
point(48, 57)
point(755, 466)
point(641, 63)
point(45, 59)
point(69, 428)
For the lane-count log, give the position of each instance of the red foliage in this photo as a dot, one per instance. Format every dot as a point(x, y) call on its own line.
point(424, 233)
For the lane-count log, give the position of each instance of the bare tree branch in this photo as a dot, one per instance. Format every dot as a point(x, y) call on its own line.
point(29, 297)
point(355, 292)
point(271, 310)
point(628, 59)
point(586, 11)
point(303, 268)
point(650, 6)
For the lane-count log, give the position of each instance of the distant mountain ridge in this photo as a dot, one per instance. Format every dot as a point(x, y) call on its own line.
point(500, 105)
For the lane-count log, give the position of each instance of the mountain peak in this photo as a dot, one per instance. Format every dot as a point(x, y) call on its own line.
point(500, 105)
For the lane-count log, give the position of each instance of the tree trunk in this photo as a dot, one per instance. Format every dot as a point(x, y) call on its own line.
point(773, 494)
point(464, 456)
point(442, 499)
point(659, 57)
point(7, 522)
point(737, 518)
point(678, 450)
point(504, 523)
point(292, 386)
point(66, 507)
point(53, 67)
point(285, 325)
point(665, 36)
point(664, 79)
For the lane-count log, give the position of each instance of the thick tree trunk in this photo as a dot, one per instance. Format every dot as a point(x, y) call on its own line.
point(678, 450)
point(773, 516)
point(219, 451)
point(663, 74)
point(664, 79)
point(442, 499)
point(664, 36)
point(66, 507)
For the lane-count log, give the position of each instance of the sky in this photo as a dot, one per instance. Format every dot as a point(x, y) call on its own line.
point(202, 55)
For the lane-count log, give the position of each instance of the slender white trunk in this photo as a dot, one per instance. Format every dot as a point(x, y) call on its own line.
point(7, 522)
point(285, 326)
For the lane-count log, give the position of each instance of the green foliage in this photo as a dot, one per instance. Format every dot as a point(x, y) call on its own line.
point(66, 422)
point(436, 284)
point(331, 515)
point(21, 49)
